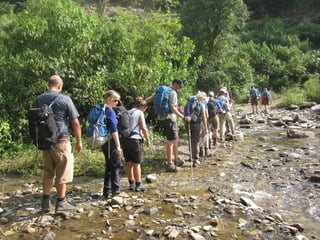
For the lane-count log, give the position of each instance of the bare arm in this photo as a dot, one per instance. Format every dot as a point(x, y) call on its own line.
point(144, 129)
point(149, 99)
point(77, 133)
point(175, 110)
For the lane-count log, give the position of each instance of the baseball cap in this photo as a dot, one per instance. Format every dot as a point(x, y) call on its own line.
point(178, 81)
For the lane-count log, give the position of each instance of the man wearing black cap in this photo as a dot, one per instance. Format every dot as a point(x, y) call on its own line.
point(169, 123)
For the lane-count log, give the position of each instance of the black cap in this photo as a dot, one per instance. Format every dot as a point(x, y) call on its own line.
point(178, 81)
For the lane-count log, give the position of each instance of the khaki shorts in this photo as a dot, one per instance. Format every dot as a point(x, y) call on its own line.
point(213, 122)
point(58, 163)
point(170, 129)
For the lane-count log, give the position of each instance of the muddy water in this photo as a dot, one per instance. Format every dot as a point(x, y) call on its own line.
point(270, 169)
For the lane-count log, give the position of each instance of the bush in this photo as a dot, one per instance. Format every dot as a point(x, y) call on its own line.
point(312, 88)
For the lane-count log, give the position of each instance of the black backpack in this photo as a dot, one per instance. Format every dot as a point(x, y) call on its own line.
point(212, 108)
point(123, 118)
point(42, 126)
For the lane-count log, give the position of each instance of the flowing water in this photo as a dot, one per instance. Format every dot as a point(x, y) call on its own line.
point(267, 167)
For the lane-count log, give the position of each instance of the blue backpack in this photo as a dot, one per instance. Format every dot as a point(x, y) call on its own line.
point(97, 133)
point(161, 100)
point(193, 109)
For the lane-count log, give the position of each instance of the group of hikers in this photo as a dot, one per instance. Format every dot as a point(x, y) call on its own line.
point(254, 96)
point(205, 118)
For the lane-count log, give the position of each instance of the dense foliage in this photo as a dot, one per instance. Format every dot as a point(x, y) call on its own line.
point(207, 43)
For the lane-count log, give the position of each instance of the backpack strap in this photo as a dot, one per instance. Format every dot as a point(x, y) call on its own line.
point(54, 100)
point(100, 115)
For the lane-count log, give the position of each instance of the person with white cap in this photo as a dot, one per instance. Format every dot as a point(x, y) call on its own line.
point(226, 116)
point(214, 108)
point(195, 109)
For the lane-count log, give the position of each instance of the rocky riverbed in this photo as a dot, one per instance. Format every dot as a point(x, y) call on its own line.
point(264, 183)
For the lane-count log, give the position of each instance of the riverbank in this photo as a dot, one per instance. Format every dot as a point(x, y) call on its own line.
point(262, 187)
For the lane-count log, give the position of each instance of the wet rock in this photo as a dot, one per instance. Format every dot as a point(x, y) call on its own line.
point(293, 107)
point(242, 222)
point(316, 109)
point(49, 236)
point(150, 178)
point(249, 203)
point(95, 195)
point(214, 222)
point(151, 211)
point(294, 133)
point(4, 220)
point(172, 233)
point(231, 209)
point(261, 120)
point(239, 136)
point(298, 226)
point(307, 105)
point(196, 236)
point(117, 200)
point(315, 179)
point(301, 237)
point(245, 121)
point(130, 223)
point(207, 228)
point(248, 165)
point(292, 230)
point(171, 200)
point(279, 123)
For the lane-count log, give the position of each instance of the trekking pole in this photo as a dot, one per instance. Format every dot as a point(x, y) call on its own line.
point(190, 149)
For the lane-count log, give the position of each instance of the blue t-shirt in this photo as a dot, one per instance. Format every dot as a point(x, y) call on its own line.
point(112, 122)
point(254, 92)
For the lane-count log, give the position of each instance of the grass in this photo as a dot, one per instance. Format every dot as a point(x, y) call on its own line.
point(27, 161)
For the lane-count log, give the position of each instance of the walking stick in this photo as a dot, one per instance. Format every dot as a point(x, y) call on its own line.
point(190, 149)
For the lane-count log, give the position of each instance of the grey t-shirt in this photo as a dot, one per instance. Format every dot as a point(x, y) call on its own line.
point(63, 109)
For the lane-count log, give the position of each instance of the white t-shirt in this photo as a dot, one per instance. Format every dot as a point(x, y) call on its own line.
point(135, 130)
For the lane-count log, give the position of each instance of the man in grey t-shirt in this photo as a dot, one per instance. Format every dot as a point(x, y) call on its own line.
point(58, 161)
point(169, 123)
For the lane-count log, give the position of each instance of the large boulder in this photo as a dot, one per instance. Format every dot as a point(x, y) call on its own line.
point(294, 133)
point(316, 109)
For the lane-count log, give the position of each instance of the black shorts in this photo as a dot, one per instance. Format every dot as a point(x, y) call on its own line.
point(133, 150)
point(254, 100)
point(170, 129)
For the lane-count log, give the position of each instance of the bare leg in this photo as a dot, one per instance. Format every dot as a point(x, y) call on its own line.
point(175, 148)
point(129, 170)
point(137, 172)
point(61, 190)
point(170, 149)
point(47, 186)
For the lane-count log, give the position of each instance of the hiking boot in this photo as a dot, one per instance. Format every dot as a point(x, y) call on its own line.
point(214, 141)
point(196, 163)
point(178, 162)
point(207, 152)
point(132, 186)
point(46, 205)
point(140, 188)
point(201, 152)
point(105, 197)
point(172, 168)
point(64, 206)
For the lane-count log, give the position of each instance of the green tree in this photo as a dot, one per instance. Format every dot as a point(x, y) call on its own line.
point(127, 52)
point(207, 22)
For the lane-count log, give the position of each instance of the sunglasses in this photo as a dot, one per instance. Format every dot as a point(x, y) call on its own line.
point(115, 100)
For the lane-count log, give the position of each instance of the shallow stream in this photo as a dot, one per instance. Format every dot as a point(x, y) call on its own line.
point(267, 167)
